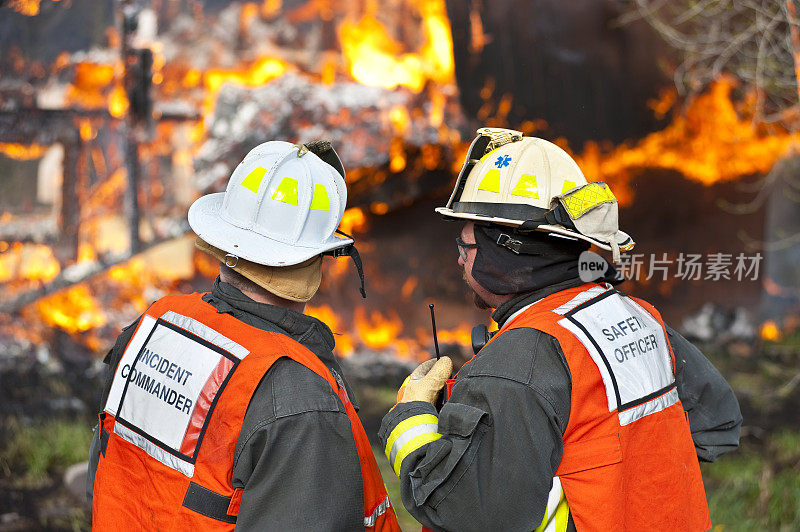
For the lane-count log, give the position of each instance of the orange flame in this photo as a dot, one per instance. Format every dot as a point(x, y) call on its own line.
point(88, 87)
point(86, 130)
point(258, 73)
point(712, 142)
point(74, 310)
point(353, 221)
point(108, 192)
point(22, 152)
point(400, 119)
point(133, 279)
point(770, 331)
point(384, 332)
point(118, 102)
point(98, 86)
point(205, 264)
point(408, 287)
point(460, 335)
point(86, 252)
point(30, 262)
point(324, 313)
point(270, 8)
point(397, 156)
point(158, 62)
point(376, 59)
point(378, 207)
point(29, 8)
point(377, 331)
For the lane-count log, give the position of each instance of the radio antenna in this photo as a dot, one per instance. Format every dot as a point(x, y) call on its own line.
point(433, 326)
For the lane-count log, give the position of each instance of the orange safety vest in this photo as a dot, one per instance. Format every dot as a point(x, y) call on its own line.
point(628, 462)
point(173, 416)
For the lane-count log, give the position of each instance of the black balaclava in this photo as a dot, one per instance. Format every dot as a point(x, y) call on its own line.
point(550, 260)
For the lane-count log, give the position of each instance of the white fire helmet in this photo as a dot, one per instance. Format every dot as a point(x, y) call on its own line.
point(282, 206)
point(532, 184)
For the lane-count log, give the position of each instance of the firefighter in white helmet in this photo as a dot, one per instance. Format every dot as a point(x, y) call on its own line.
point(228, 409)
point(584, 411)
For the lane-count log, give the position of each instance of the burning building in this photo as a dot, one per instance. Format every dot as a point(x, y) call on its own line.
point(116, 114)
point(109, 131)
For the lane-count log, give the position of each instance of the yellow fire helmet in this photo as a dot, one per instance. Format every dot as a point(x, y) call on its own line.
point(533, 185)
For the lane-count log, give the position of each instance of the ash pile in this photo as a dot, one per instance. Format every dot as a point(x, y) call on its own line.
point(376, 369)
point(361, 122)
point(716, 325)
point(58, 379)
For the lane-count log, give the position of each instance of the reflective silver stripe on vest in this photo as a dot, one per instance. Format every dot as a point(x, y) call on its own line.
point(206, 333)
point(370, 520)
point(583, 297)
point(658, 404)
point(146, 325)
point(520, 311)
point(154, 450)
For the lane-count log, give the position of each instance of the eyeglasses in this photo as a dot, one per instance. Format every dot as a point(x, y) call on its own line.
point(463, 247)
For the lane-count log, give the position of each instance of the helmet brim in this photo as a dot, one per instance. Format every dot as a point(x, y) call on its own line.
point(206, 221)
point(624, 241)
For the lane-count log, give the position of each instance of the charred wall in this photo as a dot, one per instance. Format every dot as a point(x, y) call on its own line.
point(781, 237)
point(53, 30)
point(673, 215)
point(569, 63)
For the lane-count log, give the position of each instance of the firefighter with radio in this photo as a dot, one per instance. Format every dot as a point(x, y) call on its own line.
point(584, 411)
point(228, 409)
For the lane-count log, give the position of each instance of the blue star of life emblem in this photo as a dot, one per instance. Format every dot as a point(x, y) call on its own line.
point(502, 161)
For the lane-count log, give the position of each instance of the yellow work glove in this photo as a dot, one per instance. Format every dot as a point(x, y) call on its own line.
point(426, 381)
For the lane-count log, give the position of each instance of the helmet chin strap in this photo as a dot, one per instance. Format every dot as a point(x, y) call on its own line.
point(350, 251)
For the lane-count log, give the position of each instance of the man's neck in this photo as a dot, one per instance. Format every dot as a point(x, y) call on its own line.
point(269, 299)
point(495, 300)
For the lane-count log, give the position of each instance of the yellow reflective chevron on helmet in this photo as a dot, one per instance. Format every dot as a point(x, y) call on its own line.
point(526, 187)
point(286, 191)
point(253, 180)
point(587, 198)
point(568, 185)
point(490, 181)
point(320, 201)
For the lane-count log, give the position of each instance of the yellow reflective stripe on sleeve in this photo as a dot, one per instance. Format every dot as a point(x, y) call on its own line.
point(410, 434)
point(556, 514)
point(562, 515)
point(407, 431)
point(320, 201)
point(411, 446)
point(286, 191)
point(253, 180)
point(490, 181)
point(406, 424)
